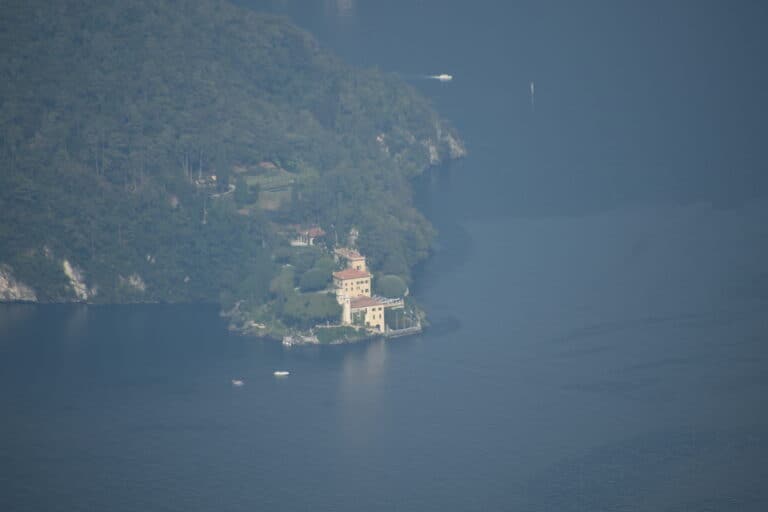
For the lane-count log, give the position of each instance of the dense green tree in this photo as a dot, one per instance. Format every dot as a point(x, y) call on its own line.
point(304, 258)
point(314, 279)
point(283, 284)
point(326, 264)
point(390, 286)
point(114, 114)
point(242, 197)
point(306, 310)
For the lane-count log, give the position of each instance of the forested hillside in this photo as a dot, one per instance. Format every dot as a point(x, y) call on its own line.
point(126, 128)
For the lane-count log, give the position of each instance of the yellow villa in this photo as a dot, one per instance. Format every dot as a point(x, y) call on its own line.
point(353, 293)
point(365, 311)
point(351, 283)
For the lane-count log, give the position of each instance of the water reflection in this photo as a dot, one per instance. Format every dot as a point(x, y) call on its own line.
point(77, 325)
point(362, 373)
point(361, 391)
point(11, 317)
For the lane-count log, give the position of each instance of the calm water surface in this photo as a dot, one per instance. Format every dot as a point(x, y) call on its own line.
point(553, 379)
point(599, 293)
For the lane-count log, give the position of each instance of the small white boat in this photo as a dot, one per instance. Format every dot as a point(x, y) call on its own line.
point(237, 383)
point(280, 373)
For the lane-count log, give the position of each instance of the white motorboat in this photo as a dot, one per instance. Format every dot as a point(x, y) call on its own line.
point(237, 383)
point(281, 373)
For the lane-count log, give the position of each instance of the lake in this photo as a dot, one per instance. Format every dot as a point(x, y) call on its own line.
point(612, 362)
point(598, 294)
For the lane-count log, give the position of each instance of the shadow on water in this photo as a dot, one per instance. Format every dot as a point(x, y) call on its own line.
point(453, 245)
point(442, 325)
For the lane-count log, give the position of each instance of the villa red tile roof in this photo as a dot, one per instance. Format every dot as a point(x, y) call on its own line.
point(313, 232)
point(364, 302)
point(351, 273)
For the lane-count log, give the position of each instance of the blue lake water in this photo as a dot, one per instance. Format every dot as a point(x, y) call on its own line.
point(598, 292)
point(556, 377)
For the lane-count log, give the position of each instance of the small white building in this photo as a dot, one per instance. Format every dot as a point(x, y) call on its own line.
point(306, 237)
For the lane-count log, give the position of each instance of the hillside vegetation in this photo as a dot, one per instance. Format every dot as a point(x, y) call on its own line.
point(115, 116)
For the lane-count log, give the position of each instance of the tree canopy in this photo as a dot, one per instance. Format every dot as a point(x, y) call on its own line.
point(391, 286)
point(124, 123)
